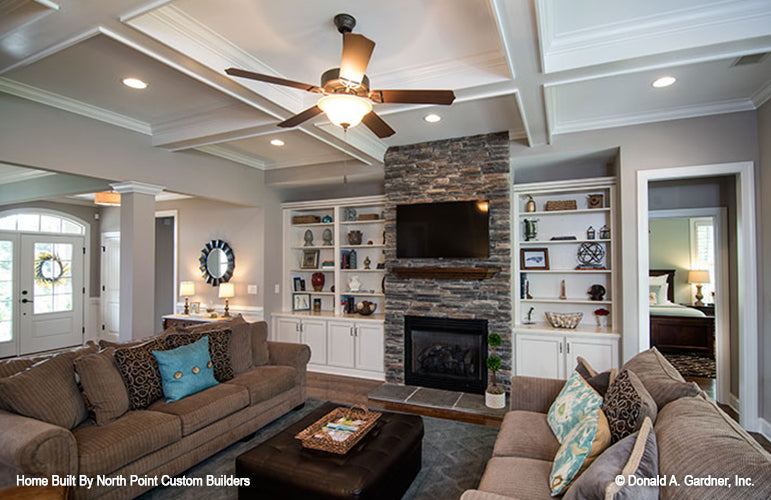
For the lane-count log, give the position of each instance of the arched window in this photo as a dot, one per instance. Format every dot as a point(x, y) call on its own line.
point(41, 222)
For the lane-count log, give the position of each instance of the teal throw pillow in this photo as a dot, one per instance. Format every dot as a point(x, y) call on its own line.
point(585, 442)
point(576, 400)
point(186, 370)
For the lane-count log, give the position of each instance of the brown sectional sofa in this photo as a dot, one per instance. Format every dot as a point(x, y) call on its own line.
point(695, 437)
point(165, 438)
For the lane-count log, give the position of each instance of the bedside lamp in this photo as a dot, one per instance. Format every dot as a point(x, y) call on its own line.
point(698, 278)
point(186, 289)
point(227, 290)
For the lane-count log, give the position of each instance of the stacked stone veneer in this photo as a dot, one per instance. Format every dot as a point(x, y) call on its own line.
point(467, 168)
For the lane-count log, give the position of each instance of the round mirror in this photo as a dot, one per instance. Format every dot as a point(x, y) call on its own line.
point(217, 262)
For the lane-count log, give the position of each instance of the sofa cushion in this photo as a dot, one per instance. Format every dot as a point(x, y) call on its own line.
point(46, 391)
point(599, 381)
point(517, 477)
point(582, 445)
point(240, 341)
point(12, 366)
point(526, 434)
point(660, 378)
point(626, 405)
point(218, 346)
point(205, 407)
point(636, 454)
point(103, 389)
point(695, 437)
point(186, 370)
point(139, 370)
point(102, 450)
point(576, 400)
point(264, 382)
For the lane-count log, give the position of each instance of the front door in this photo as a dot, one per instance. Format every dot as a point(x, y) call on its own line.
point(50, 292)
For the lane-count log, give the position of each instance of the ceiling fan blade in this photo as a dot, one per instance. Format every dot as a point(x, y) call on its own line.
point(297, 119)
point(377, 125)
point(413, 96)
point(272, 79)
point(357, 49)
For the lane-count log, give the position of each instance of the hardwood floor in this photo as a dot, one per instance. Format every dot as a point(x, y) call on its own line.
point(349, 390)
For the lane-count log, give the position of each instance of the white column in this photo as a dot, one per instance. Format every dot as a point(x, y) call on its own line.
point(137, 259)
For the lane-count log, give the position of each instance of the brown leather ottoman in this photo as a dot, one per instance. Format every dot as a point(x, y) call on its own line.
point(381, 466)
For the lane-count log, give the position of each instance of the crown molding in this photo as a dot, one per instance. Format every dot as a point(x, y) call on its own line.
point(229, 154)
point(136, 187)
point(72, 105)
point(678, 113)
point(762, 95)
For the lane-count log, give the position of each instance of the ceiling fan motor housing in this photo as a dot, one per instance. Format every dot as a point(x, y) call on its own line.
point(345, 23)
point(333, 84)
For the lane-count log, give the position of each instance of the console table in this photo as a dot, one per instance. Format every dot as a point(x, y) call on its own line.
point(183, 320)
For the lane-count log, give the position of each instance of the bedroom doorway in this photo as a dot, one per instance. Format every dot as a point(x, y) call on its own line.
point(746, 276)
point(693, 332)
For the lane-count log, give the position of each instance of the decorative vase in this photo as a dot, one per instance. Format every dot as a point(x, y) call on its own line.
point(354, 237)
point(354, 284)
point(317, 280)
point(495, 401)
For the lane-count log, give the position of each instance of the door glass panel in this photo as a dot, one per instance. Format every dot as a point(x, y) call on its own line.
point(6, 290)
point(50, 224)
point(28, 222)
point(53, 277)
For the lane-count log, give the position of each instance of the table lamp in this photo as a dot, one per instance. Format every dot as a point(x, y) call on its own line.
point(186, 289)
point(698, 278)
point(227, 290)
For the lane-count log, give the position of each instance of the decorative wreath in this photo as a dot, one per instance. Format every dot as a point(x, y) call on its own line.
point(49, 269)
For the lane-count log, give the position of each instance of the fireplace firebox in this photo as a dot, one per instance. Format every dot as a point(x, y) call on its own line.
point(445, 353)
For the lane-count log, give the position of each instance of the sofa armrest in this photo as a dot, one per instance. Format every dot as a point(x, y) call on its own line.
point(482, 495)
point(290, 354)
point(34, 448)
point(534, 393)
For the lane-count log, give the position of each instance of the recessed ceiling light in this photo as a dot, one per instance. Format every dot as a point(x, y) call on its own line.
point(664, 81)
point(432, 118)
point(277, 142)
point(134, 83)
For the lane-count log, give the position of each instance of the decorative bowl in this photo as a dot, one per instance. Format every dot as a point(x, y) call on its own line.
point(564, 320)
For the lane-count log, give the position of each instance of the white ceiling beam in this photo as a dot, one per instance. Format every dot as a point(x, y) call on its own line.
point(49, 186)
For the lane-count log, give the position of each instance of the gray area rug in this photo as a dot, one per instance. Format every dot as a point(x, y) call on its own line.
point(454, 458)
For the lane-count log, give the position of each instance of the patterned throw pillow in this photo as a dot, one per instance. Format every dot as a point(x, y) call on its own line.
point(626, 405)
point(636, 454)
point(186, 370)
point(576, 400)
point(585, 442)
point(139, 370)
point(240, 340)
point(219, 350)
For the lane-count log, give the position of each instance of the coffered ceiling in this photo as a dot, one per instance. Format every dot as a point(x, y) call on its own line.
point(534, 68)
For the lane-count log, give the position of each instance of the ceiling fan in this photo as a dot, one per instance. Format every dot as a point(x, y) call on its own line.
point(347, 97)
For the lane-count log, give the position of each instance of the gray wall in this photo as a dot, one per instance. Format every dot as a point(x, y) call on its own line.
point(164, 269)
point(764, 267)
point(670, 248)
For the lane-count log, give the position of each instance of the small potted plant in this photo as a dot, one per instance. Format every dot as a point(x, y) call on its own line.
point(495, 395)
point(599, 314)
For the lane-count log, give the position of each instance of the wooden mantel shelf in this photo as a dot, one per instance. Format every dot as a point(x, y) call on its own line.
point(446, 273)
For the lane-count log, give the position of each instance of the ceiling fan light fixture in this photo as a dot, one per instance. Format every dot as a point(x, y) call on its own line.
point(344, 110)
point(664, 81)
point(134, 83)
point(432, 118)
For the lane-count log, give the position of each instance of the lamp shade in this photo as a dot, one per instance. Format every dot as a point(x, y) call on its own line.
point(344, 110)
point(186, 289)
point(227, 290)
point(698, 277)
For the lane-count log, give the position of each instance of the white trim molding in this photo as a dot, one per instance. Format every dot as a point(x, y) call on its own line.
point(747, 291)
point(136, 187)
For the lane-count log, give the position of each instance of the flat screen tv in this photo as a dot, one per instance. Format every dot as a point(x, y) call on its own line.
point(457, 229)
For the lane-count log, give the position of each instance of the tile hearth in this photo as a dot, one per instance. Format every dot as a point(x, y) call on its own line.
point(435, 398)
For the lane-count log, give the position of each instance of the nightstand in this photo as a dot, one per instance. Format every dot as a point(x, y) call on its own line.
point(708, 309)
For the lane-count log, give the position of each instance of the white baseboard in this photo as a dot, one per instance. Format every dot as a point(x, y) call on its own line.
point(765, 428)
point(733, 402)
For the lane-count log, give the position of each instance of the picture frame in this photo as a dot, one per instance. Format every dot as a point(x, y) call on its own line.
point(299, 284)
point(195, 307)
point(301, 302)
point(534, 259)
point(310, 259)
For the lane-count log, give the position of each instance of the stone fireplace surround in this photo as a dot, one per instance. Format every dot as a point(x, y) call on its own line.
point(466, 168)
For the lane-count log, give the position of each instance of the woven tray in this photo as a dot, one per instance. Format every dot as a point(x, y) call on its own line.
point(314, 438)
point(306, 219)
point(561, 205)
point(369, 217)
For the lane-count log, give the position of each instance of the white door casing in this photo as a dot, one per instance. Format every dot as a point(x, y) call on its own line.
point(110, 303)
point(9, 303)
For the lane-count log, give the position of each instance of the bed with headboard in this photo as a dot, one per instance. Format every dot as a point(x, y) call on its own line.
point(674, 327)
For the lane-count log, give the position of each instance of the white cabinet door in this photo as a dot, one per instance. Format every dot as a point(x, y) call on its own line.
point(314, 334)
point(369, 347)
point(540, 355)
point(602, 354)
point(288, 330)
point(341, 344)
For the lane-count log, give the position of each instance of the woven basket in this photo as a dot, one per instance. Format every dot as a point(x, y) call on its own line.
point(314, 438)
point(306, 219)
point(564, 320)
point(561, 205)
point(369, 217)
